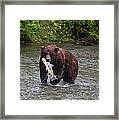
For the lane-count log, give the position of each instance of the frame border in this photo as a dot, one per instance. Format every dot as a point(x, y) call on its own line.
point(2, 58)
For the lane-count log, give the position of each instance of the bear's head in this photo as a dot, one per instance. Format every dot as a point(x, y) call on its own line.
point(49, 52)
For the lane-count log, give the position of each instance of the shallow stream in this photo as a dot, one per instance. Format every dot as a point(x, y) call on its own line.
point(86, 84)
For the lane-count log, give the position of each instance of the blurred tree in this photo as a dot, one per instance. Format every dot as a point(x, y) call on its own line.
point(61, 31)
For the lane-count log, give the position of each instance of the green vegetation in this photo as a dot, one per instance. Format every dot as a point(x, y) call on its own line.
point(60, 31)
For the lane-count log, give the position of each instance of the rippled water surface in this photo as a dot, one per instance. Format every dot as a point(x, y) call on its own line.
point(86, 84)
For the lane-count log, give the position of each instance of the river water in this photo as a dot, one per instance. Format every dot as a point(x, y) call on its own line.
point(86, 84)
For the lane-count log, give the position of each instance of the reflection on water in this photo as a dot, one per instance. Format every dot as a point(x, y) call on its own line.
point(86, 84)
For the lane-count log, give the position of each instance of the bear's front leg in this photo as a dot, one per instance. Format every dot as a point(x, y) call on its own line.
point(43, 72)
point(59, 76)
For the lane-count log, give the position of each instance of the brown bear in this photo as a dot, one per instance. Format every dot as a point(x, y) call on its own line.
point(65, 65)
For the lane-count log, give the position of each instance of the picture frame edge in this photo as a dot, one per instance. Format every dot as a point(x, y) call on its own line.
point(2, 64)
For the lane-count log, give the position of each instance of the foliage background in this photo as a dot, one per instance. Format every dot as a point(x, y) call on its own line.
point(82, 32)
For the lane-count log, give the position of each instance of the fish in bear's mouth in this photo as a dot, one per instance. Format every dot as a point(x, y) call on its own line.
point(50, 74)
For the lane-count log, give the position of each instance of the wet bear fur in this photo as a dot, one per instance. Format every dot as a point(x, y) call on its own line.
point(65, 64)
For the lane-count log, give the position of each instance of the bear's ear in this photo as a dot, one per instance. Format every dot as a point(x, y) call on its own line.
point(56, 49)
point(42, 47)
